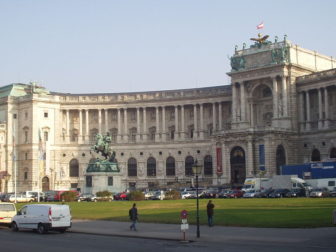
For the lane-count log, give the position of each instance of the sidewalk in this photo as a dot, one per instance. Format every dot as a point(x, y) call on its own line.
point(207, 234)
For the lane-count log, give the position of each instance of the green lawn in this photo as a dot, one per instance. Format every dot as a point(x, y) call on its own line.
point(292, 213)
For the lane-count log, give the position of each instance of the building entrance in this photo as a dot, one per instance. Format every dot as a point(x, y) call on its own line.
point(238, 166)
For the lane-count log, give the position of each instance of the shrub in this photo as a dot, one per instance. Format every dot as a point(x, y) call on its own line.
point(173, 195)
point(104, 196)
point(69, 196)
point(136, 195)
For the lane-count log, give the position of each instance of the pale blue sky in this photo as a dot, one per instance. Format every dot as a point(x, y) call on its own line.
point(108, 46)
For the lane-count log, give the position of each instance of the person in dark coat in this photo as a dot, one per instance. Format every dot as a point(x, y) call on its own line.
point(133, 214)
point(210, 212)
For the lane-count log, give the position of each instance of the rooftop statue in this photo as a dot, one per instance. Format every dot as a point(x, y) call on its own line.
point(261, 39)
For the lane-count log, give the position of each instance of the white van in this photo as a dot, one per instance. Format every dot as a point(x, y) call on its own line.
point(7, 211)
point(42, 217)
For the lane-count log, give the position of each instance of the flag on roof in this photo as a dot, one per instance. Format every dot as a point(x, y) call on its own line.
point(260, 26)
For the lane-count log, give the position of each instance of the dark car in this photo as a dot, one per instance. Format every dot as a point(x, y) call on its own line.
point(224, 193)
point(87, 197)
point(298, 192)
point(332, 193)
point(279, 193)
point(265, 193)
point(209, 193)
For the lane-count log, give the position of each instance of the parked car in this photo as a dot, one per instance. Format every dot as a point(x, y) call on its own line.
point(235, 194)
point(42, 217)
point(264, 193)
point(7, 212)
point(56, 195)
point(279, 193)
point(224, 193)
point(87, 197)
point(209, 193)
point(332, 193)
point(21, 198)
point(188, 195)
point(121, 196)
point(250, 193)
point(319, 193)
point(298, 192)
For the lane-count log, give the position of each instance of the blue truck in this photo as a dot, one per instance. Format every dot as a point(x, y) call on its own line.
point(317, 174)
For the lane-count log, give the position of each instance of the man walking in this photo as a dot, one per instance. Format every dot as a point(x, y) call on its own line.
point(133, 214)
point(210, 212)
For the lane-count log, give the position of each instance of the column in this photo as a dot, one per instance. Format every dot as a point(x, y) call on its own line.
point(125, 126)
point(214, 128)
point(242, 102)
point(138, 124)
point(195, 122)
point(144, 125)
point(201, 122)
point(68, 125)
point(99, 121)
point(119, 126)
point(80, 137)
point(234, 104)
point(87, 132)
point(320, 121)
point(284, 96)
point(275, 98)
point(252, 115)
point(106, 122)
point(182, 134)
point(301, 110)
point(220, 119)
point(326, 108)
point(164, 132)
point(308, 111)
point(157, 134)
point(176, 125)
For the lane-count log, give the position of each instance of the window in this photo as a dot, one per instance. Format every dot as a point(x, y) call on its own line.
point(45, 114)
point(14, 116)
point(25, 175)
point(88, 181)
point(151, 167)
point(133, 116)
point(110, 181)
point(73, 185)
point(208, 165)
point(170, 166)
point(26, 115)
point(26, 156)
point(46, 136)
point(132, 167)
point(26, 136)
point(189, 161)
point(74, 168)
point(331, 183)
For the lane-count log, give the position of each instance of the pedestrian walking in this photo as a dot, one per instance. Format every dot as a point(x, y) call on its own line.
point(133, 214)
point(210, 212)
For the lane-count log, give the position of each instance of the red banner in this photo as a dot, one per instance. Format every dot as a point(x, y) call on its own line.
point(219, 160)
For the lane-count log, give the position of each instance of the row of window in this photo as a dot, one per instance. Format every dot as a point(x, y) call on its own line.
point(132, 167)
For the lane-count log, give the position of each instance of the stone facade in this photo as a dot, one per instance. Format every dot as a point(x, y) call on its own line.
point(279, 109)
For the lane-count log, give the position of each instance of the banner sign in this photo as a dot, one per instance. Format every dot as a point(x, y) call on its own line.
point(219, 160)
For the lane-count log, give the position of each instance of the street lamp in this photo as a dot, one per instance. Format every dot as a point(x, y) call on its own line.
point(197, 169)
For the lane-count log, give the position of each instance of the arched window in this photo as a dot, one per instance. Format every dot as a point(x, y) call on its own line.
point(74, 168)
point(208, 165)
point(132, 167)
point(316, 155)
point(333, 153)
point(170, 166)
point(151, 167)
point(189, 161)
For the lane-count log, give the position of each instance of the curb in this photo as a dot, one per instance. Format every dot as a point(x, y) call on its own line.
point(129, 236)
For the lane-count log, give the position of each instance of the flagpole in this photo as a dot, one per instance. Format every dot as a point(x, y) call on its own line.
point(14, 159)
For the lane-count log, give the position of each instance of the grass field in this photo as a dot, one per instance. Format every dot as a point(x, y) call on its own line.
point(286, 212)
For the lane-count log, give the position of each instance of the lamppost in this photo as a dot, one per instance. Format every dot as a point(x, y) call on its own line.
point(197, 169)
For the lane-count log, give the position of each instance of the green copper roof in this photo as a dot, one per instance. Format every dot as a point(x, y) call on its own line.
point(19, 89)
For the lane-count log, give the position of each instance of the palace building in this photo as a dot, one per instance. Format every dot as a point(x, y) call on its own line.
point(280, 108)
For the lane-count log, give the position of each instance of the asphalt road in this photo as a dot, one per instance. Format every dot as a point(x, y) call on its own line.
point(53, 241)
